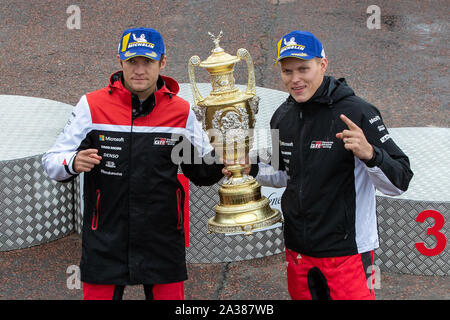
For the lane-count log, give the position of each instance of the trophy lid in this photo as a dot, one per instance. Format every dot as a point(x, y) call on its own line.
point(220, 66)
point(219, 57)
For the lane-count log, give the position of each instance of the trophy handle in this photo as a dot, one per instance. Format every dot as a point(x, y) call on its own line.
point(251, 85)
point(194, 61)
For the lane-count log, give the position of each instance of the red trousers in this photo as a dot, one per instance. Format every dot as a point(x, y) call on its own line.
point(334, 278)
point(167, 291)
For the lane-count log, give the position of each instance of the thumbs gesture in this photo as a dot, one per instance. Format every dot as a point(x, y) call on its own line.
point(86, 160)
point(355, 140)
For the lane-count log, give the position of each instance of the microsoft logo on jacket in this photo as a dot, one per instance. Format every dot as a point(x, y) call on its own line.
point(102, 137)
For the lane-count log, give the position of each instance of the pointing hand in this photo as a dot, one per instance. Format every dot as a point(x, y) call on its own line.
point(355, 140)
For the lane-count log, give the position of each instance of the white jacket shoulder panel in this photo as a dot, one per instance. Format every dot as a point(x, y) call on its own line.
point(58, 160)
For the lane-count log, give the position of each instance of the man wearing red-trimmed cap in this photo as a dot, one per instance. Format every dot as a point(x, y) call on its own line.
point(123, 137)
point(334, 152)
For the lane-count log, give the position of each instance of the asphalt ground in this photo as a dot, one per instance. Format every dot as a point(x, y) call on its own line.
point(49, 272)
point(402, 68)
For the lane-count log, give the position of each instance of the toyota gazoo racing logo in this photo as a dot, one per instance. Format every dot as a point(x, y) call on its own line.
point(321, 144)
point(164, 142)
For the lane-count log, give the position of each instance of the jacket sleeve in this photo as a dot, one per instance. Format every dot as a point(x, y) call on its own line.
point(58, 161)
point(269, 177)
point(199, 162)
point(389, 169)
point(271, 172)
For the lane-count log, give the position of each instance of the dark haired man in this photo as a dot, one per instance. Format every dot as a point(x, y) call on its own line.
point(122, 137)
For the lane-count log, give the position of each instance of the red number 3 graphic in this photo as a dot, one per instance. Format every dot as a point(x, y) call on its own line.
point(441, 240)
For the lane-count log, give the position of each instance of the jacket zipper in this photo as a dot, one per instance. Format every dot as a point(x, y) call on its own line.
point(94, 224)
point(180, 212)
point(300, 191)
point(130, 261)
point(346, 221)
point(302, 130)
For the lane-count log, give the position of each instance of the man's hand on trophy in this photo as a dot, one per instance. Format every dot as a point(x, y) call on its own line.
point(245, 162)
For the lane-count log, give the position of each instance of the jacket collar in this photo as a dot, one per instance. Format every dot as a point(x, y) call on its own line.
point(164, 84)
point(330, 91)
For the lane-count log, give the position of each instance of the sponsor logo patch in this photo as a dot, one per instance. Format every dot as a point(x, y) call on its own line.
point(291, 44)
point(321, 144)
point(164, 142)
point(153, 54)
point(102, 137)
point(374, 119)
point(140, 41)
point(111, 173)
point(385, 138)
point(111, 155)
point(286, 144)
point(110, 164)
point(129, 54)
point(299, 54)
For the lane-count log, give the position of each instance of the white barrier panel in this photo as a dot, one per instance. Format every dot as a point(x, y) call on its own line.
point(33, 208)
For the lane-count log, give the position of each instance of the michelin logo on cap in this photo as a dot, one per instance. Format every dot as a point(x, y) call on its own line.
point(291, 44)
point(299, 44)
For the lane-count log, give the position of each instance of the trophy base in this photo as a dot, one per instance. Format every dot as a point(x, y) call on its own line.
point(242, 209)
point(247, 228)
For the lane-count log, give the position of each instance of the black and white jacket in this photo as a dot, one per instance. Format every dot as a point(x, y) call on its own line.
point(329, 202)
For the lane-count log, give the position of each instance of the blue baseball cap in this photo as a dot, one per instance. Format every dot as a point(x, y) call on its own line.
point(143, 42)
point(299, 44)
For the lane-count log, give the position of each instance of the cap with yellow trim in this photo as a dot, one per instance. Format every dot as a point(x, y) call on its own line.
point(299, 44)
point(144, 42)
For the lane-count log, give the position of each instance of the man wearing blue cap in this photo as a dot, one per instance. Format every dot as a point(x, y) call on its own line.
point(334, 152)
point(122, 138)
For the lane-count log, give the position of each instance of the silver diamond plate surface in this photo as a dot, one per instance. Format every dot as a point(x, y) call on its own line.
point(34, 209)
point(78, 203)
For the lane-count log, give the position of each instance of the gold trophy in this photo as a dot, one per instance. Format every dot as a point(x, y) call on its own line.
point(228, 116)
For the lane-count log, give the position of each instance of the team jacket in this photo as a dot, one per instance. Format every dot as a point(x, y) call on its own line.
point(133, 202)
point(329, 202)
